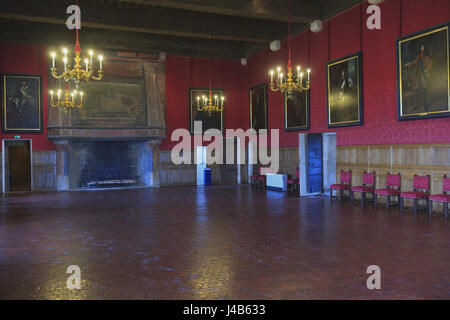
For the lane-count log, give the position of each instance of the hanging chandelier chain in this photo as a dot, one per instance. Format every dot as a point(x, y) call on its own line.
point(285, 83)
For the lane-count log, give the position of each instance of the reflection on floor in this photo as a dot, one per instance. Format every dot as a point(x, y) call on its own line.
point(216, 242)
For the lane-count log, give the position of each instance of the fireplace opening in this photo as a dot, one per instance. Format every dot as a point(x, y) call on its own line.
point(108, 164)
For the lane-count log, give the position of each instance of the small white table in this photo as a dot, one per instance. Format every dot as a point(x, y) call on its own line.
point(276, 181)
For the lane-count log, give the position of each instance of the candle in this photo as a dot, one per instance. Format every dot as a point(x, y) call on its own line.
point(278, 71)
point(271, 76)
point(65, 52)
point(65, 63)
point(81, 95)
point(223, 98)
point(281, 78)
point(309, 70)
point(298, 73)
point(301, 77)
point(51, 94)
point(53, 59)
point(72, 97)
point(59, 94)
point(91, 53)
point(100, 58)
point(86, 61)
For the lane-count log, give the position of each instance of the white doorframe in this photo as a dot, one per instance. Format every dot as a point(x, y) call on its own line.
point(200, 154)
point(4, 161)
point(328, 161)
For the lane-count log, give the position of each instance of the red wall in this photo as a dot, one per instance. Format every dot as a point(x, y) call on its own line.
point(342, 36)
point(28, 59)
point(183, 73)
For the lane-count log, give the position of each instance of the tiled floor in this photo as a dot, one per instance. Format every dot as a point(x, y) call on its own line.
point(217, 243)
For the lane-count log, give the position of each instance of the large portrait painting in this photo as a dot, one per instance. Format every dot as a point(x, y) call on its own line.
point(117, 104)
point(213, 120)
point(258, 107)
point(344, 92)
point(22, 103)
point(296, 111)
point(423, 74)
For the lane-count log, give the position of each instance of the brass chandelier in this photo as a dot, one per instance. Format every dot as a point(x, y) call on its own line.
point(287, 83)
point(205, 104)
point(69, 101)
point(77, 73)
point(209, 104)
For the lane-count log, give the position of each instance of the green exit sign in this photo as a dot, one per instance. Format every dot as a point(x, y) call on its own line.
point(16, 137)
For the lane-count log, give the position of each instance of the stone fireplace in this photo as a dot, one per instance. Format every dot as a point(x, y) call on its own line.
point(113, 140)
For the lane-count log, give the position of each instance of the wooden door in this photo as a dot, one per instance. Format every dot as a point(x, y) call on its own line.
point(18, 166)
point(315, 166)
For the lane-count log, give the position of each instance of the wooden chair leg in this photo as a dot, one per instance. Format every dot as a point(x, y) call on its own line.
point(363, 198)
point(415, 206)
point(430, 207)
point(375, 199)
point(352, 197)
point(401, 204)
point(331, 194)
point(445, 204)
point(388, 202)
point(341, 193)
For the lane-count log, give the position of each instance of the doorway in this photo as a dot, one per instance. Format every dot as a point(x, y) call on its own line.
point(315, 164)
point(17, 165)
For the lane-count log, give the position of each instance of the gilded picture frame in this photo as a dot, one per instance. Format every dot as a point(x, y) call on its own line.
point(21, 103)
point(423, 84)
point(296, 111)
point(258, 107)
point(344, 91)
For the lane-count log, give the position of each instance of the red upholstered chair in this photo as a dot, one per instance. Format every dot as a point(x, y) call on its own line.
point(393, 186)
point(346, 184)
point(368, 186)
point(294, 182)
point(262, 177)
point(421, 186)
point(254, 179)
point(444, 198)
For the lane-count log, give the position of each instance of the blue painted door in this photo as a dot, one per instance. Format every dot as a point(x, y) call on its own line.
point(315, 167)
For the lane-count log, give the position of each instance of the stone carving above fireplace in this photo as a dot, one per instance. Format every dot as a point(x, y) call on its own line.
point(129, 103)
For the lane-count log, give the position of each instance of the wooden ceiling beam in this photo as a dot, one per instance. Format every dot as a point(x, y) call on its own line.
point(48, 35)
point(302, 11)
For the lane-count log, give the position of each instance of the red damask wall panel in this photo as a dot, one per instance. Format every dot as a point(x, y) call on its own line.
point(28, 59)
point(346, 34)
point(183, 73)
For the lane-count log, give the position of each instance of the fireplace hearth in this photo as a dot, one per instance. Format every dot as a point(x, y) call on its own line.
point(108, 164)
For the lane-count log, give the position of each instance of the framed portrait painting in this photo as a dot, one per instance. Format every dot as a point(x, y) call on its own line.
point(344, 92)
point(296, 111)
point(423, 87)
point(21, 103)
point(258, 107)
point(213, 120)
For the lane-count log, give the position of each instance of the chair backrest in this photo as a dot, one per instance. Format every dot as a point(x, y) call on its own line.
point(297, 173)
point(446, 184)
point(346, 177)
point(421, 182)
point(393, 180)
point(368, 178)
